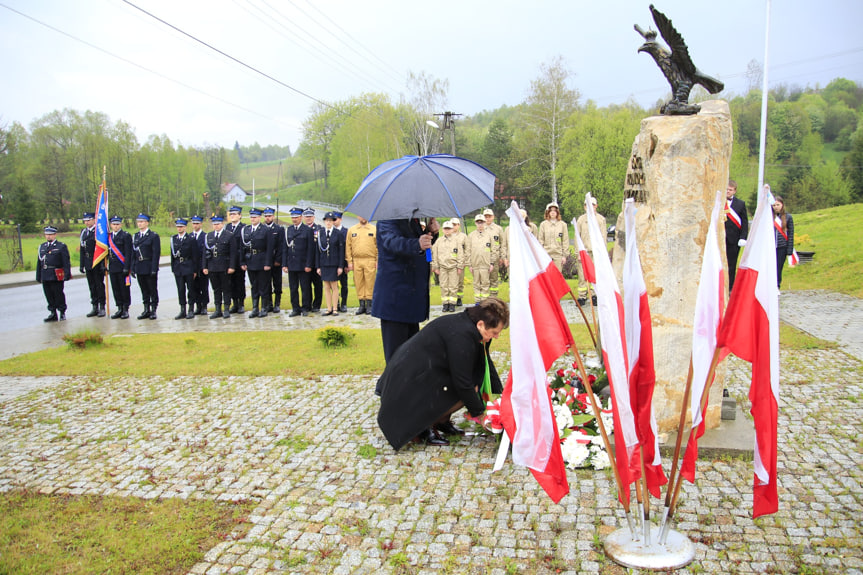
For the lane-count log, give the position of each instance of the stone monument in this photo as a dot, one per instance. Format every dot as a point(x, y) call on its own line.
point(677, 165)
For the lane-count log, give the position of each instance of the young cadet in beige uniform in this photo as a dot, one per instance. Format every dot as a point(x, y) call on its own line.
point(554, 235)
point(498, 242)
point(447, 264)
point(584, 231)
point(462, 238)
point(361, 251)
point(479, 255)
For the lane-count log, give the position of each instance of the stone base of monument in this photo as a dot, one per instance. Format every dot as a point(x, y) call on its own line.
point(677, 551)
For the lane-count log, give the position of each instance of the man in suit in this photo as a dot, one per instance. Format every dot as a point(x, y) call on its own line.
point(147, 249)
point(184, 265)
point(298, 261)
point(274, 305)
point(256, 257)
point(53, 270)
point(317, 284)
point(238, 278)
point(736, 229)
point(202, 289)
point(95, 275)
point(119, 267)
point(220, 263)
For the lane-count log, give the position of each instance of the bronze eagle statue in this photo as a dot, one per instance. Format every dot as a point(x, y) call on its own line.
point(676, 65)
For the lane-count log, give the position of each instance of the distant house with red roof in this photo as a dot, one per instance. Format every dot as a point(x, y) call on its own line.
point(233, 194)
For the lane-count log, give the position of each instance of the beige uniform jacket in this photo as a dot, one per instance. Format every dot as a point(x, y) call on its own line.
point(554, 237)
point(361, 243)
point(448, 253)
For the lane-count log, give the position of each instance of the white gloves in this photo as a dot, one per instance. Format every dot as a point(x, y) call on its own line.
point(741, 243)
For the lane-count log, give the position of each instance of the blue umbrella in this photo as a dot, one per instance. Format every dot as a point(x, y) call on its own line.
point(439, 185)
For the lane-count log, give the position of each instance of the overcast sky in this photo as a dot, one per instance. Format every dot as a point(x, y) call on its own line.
point(109, 56)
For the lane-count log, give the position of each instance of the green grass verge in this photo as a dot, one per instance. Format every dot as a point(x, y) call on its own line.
point(86, 534)
point(791, 338)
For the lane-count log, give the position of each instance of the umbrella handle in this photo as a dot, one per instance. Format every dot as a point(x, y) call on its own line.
point(428, 255)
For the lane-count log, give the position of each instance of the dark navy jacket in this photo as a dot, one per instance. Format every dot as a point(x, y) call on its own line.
point(298, 248)
point(256, 247)
point(122, 240)
point(184, 255)
point(53, 257)
point(146, 250)
point(220, 254)
point(330, 253)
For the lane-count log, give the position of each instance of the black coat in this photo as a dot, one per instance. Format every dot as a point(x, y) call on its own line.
point(256, 247)
point(330, 252)
point(88, 248)
point(200, 239)
point(184, 255)
point(278, 243)
point(147, 249)
point(299, 254)
point(122, 241)
point(220, 254)
point(732, 232)
point(54, 264)
point(430, 373)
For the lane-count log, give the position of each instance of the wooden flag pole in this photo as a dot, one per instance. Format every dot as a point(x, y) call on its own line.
point(686, 393)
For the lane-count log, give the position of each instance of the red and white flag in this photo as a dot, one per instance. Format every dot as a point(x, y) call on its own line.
point(793, 259)
point(709, 305)
point(751, 332)
point(587, 267)
point(614, 356)
point(539, 334)
point(639, 339)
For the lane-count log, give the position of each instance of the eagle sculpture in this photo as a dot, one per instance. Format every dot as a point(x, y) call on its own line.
point(676, 65)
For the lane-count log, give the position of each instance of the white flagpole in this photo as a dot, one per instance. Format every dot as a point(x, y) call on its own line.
point(764, 101)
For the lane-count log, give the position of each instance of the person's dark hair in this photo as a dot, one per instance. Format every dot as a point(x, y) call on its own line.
point(783, 215)
point(493, 312)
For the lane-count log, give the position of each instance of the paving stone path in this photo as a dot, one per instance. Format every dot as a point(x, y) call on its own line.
point(333, 497)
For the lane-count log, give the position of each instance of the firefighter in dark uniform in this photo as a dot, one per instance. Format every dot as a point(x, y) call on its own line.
point(220, 263)
point(256, 257)
point(298, 261)
point(202, 288)
point(53, 271)
point(238, 278)
point(184, 265)
point(274, 305)
point(119, 266)
point(146, 246)
point(317, 284)
point(95, 276)
point(343, 277)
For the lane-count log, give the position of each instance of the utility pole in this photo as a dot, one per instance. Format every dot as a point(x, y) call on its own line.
point(448, 121)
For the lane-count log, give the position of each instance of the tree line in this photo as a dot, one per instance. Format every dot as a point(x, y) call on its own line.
point(550, 147)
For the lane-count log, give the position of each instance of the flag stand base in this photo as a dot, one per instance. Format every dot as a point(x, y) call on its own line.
point(677, 552)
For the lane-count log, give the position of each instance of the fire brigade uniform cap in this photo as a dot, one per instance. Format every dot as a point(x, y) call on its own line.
point(198, 219)
point(88, 216)
point(296, 212)
point(236, 209)
point(255, 212)
point(487, 212)
point(479, 218)
point(116, 220)
point(144, 217)
point(50, 230)
point(447, 224)
point(330, 216)
point(217, 219)
point(268, 211)
point(309, 212)
point(180, 222)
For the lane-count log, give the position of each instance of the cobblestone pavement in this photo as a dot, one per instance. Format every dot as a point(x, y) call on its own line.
point(831, 316)
point(333, 497)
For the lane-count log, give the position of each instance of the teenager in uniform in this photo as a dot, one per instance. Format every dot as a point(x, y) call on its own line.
point(119, 267)
point(329, 261)
point(498, 244)
point(220, 263)
point(274, 305)
point(146, 247)
point(202, 289)
point(361, 253)
point(479, 255)
point(298, 262)
point(238, 278)
point(317, 285)
point(554, 235)
point(184, 265)
point(53, 271)
point(462, 239)
point(447, 262)
point(256, 257)
point(95, 276)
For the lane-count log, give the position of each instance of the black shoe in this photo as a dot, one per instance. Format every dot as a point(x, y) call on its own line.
point(146, 313)
point(362, 308)
point(315, 309)
point(217, 313)
point(458, 303)
point(304, 313)
point(125, 314)
point(101, 311)
point(343, 308)
point(94, 311)
point(432, 437)
point(227, 313)
point(255, 313)
point(241, 309)
point(182, 314)
point(118, 313)
point(153, 312)
point(233, 309)
point(328, 312)
point(51, 317)
point(294, 313)
point(593, 300)
point(263, 312)
point(190, 314)
point(582, 301)
point(447, 428)
point(62, 316)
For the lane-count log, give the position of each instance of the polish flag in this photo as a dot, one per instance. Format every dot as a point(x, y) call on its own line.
point(793, 259)
point(539, 334)
point(587, 266)
point(614, 356)
point(639, 339)
point(751, 332)
point(709, 304)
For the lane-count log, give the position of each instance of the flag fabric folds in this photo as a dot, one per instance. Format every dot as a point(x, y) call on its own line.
point(709, 305)
point(539, 334)
point(101, 251)
point(639, 340)
point(614, 356)
point(750, 331)
point(587, 267)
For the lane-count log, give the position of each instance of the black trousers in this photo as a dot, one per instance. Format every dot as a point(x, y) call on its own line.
point(393, 334)
point(343, 282)
point(185, 287)
point(317, 290)
point(149, 284)
point(261, 284)
point(202, 289)
point(122, 292)
point(54, 295)
point(221, 282)
point(276, 279)
point(298, 281)
point(238, 286)
point(731, 253)
point(96, 282)
point(781, 255)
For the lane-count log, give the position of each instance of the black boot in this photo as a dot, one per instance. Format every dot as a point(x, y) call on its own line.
point(94, 310)
point(191, 313)
point(125, 312)
point(118, 313)
point(233, 306)
point(52, 316)
point(264, 308)
point(458, 302)
point(146, 313)
point(294, 313)
point(101, 310)
point(227, 313)
point(182, 314)
point(217, 313)
point(277, 307)
point(362, 308)
point(431, 437)
point(62, 316)
point(153, 311)
point(241, 305)
point(255, 312)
